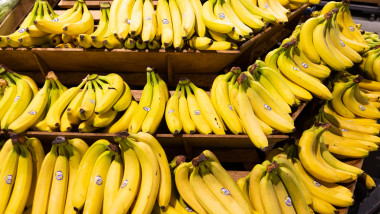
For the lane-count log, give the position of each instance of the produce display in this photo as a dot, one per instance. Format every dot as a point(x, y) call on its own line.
point(324, 58)
point(210, 25)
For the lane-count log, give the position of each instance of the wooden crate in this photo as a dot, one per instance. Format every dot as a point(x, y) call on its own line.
point(355, 162)
point(132, 62)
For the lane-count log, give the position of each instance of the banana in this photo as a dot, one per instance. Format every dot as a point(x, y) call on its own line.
point(188, 124)
point(73, 108)
point(85, 25)
point(43, 13)
point(123, 123)
point(330, 159)
point(124, 18)
point(321, 206)
point(57, 196)
point(349, 27)
point(306, 39)
point(224, 107)
point(56, 25)
point(110, 97)
point(86, 166)
point(112, 184)
point(196, 114)
point(113, 17)
point(74, 160)
point(124, 100)
point(172, 114)
point(5, 149)
point(182, 173)
point(359, 107)
point(149, 22)
point(369, 85)
point(306, 152)
point(345, 149)
point(200, 43)
point(95, 194)
point(177, 24)
point(256, 174)
point(255, 10)
point(22, 99)
point(331, 195)
point(226, 180)
point(212, 22)
point(208, 110)
point(267, 193)
point(22, 183)
point(188, 18)
point(38, 155)
point(330, 6)
point(344, 123)
point(28, 79)
point(248, 118)
point(246, 16)
point(204, 196)
point(279, 83)
point(136, 22)
point(243, 184)
point(157, 108)
point(200, 27)
point(130, 181)
point(304, 80)
point(79, 145)
point(8, 98)
point(144, 105)
point(150, 177)
point(220, 192)
point(53, 116)
point(233, 17)
point(88, 104)
point(44, 181)
point(283, 198)
point(8, 172)
point(337, 102)
point(33, 111)
point(129, 43)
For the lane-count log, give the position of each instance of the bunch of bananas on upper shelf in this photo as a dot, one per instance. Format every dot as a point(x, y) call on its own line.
point(370, 66)
point(204, 186)
point(215, 25)
point(192, 111)
point(20, 163)
point(253, 102)
point(146, 115)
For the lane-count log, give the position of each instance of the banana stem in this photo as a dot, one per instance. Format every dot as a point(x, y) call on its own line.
point(59, 140)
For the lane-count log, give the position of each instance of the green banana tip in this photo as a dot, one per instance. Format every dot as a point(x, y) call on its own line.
point(235, 70)
point(93, 77)
point(58, 140)
point(121, 135)
point(252, 68)
point(184, 81)
point(199, 159)
point(241, 78)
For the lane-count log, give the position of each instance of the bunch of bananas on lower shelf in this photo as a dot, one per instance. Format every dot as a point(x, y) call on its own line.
point(192, 111)
point(146, 115)
point(20, 163)
point(370, 66)
point(57, 174)
point(372, 38)
point(204, 186)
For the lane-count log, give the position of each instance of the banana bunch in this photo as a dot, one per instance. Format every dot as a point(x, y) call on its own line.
point(19, 91)
point(95, 106)
point(372, 38)
point(34, 111)
point(204, 186)
point(341, 42)
point(133, 176)
point(370, 66)
point(302, 76)
point(72, 22)
point(20, 163)
point(57, 174)
point(146, 115)
point(192, 111)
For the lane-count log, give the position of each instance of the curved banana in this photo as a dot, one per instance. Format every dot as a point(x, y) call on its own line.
point(267, 193)
point(306, 39)
point(172, 117)
point(136, 22)
point(8, 172)
point(246, 16)
point(74, 160)
point(113, 182)
point(283, 197)
point(337, 102)
point(188, 124)
point(123, 123)
point(87, 107)
point(256, 174)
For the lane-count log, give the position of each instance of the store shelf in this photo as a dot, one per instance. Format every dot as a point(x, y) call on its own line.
point(355, 162)
point(132, 62)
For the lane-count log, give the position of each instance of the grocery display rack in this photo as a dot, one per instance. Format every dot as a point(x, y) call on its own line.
point(71, 65)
